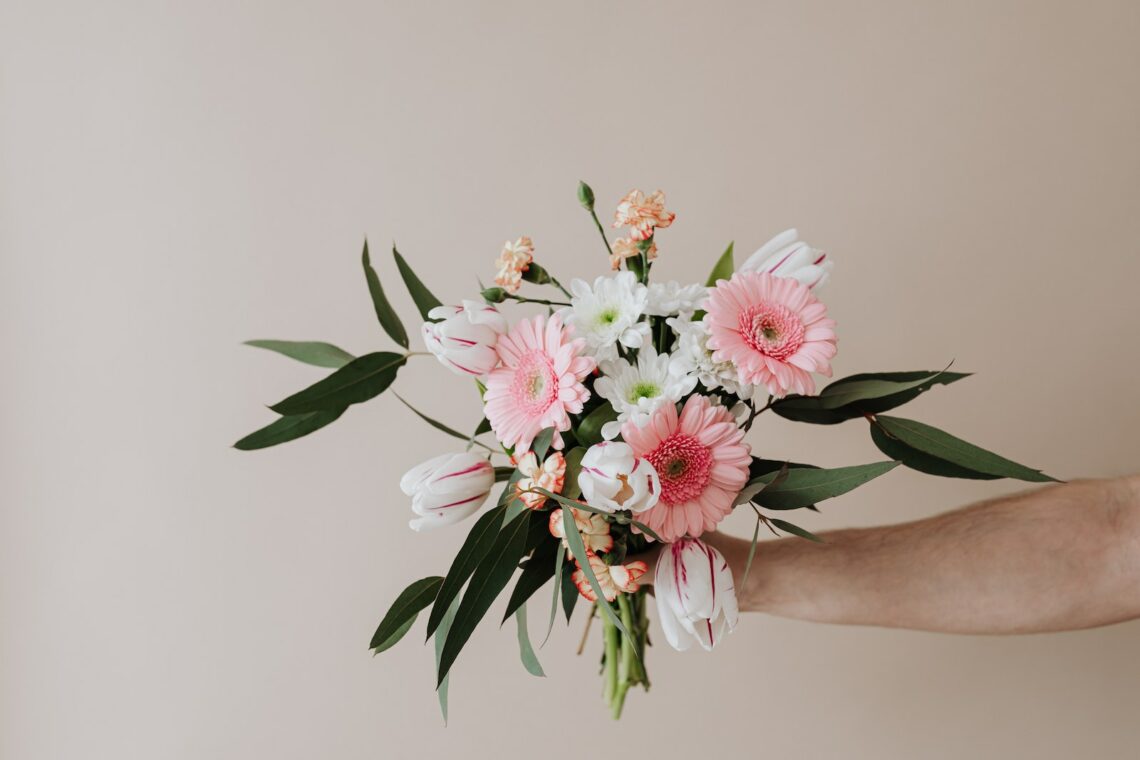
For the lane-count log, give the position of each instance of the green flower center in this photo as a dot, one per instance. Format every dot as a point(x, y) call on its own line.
point(643, 389)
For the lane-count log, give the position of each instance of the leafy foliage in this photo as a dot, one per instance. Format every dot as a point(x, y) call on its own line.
point(308, 351)
point(403, 612)
point(357, 381)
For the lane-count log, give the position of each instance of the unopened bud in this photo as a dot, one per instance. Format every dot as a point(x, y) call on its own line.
point(585, 196)
point(494, 295)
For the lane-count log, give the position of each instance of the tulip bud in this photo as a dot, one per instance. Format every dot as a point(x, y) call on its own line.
point(787, 256)
point(447, 488)
point(464, 337)
point(696, 598)
point(586, 196)
point(494, 295)
point(612, 478)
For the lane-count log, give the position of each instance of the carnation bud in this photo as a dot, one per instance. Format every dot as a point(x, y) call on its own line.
point(494, 295)
point(585, 196)
point(536, 274)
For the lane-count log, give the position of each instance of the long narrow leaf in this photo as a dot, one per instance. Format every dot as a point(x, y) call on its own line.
point(803, 487)
point(535, 573)
point(723, 268)
point(920, 460)
point(288, 428)
point(559, 564)
point(478, 542)
point(587, 508)
point(313, 352)
point(578, 549)
point(422, 297)
point(795, 530)
point(526, 651)
point(751, 553)
point(440, 638)
point(403, 611)
point(357, 381)
point(435, 424)
point(384, 311)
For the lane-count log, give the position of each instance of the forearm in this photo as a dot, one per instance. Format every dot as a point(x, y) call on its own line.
point(1058, 558)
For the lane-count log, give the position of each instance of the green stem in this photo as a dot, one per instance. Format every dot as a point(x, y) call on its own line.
point(601, 231)
point(558, 285)
point(611, 636)
point(643, 632)
point(543, 301)
point(630, 668)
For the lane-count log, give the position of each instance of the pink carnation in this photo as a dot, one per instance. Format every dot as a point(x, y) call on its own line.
point(701, 460)
point(539, 383)
point(772, 329)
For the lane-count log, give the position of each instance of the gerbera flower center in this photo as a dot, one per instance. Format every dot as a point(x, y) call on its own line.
point(684, 466)
point(535, 385)
point(772, 329)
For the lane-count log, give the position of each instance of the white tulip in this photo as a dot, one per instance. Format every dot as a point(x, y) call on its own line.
point(787, 256)
point(612, 478)
point(464, 338)
point(696, 599)
point(447, 488)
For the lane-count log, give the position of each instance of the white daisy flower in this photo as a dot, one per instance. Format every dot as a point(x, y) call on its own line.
point(668, 299)
point(606, 314)
point(636, 390)
point(692, 355)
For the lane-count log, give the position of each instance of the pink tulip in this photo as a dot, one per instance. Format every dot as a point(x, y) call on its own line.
point(464, 337)
point(447, 488)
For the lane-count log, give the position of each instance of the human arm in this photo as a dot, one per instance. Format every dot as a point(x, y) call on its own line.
point(1058, 558)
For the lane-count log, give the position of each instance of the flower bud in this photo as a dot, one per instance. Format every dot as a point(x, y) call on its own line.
point(787, 256)
point(696, 598)
point(494, 295)
point(464, 338)
point(586, 196)
point(612, 478)
point(447, 488)
point(536, 274)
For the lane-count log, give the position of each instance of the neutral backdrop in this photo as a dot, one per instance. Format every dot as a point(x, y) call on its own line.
point(179, 177)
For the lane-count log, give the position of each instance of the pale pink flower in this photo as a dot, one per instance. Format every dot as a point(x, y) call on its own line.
point(512, 262)
point(772, 329)
point(447, 488)
point(643, 214)
point(549, 476)
point(787, 256)
point(539, 383)
point(592, 527)
point(614, 579)
point(696, 597)
point(463, 338)
point(701, 461)
point(624, 248)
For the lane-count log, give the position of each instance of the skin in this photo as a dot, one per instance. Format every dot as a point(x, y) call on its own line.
point(1058, 558)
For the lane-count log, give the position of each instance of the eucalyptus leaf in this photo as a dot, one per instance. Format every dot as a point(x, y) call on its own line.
point(308, 351)
point(478, 542)
point(440, 638)
point(492, 574)
point(403, 612)
point(422, 297)
point(751, 552)
point(359, 380)
point(541, 443)
point(526, 651)
point(288, 428)
point(587, 508)
point(589, 431)
point(578, 549)
point(795, 530)
point(803, 487)
point(851, 390)
point(569, 595)
point(940, 444)
point(535, 573)
point(559, 588)
point(435, 424)
point(385, 314)
point(921, 461)
point(859, 395)
point(570, 487)
point(723, 269)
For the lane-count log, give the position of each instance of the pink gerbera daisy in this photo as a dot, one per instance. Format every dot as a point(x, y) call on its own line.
point(539, 383)
point(772, 329)
point(702, 463)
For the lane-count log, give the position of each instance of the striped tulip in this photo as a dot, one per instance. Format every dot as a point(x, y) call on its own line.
point(787, 256)
point(447, 488)
point(464, 337)
point(696, 600)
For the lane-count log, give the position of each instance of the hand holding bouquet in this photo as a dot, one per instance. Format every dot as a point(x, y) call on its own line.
point(616, 412)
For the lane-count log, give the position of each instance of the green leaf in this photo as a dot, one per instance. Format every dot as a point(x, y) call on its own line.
point(590, 429)
point(384, 311)
point(288, 428)
point(578, 549)
point(541, 443)
point(587, 508)
point(937, 443)
point(859, 395)
point(403, 612)
point(437, 425)
point(569, 595)
point(723, 269)
point(751, 552)
point(440, 638)
point(760, 466)
point(559, 588)
point(307, 351)
point(492, 574)
point(918, 460)
point(535, 573)
point(357, 381)
point(795, 530)
point(803, 487)
point(570, 487)
point(423, 298)
point(526, 651)
point(479, 541)
point(504, 473)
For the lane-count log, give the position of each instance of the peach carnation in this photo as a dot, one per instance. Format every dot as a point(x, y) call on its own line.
point(592, 527)
point(772, 329)
point(625, 248)
point(512, 262)
point(549, 476)
point(643, 214)
point(614, 579)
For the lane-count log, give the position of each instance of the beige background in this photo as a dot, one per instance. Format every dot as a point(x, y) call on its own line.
point(178, 177)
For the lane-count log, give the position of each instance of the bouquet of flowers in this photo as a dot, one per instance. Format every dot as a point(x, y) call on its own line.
point(616, 412)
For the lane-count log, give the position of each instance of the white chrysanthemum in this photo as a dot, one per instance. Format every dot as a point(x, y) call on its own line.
point(668, 299)
point(692, 355)
point(636, 390)
point(607, 313)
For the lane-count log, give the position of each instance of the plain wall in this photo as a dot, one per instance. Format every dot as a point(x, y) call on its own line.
point(179, 177)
